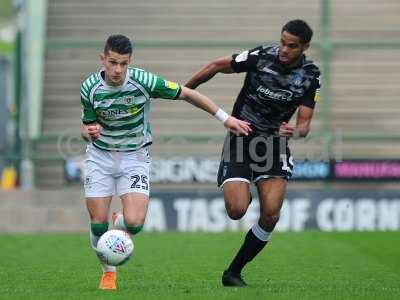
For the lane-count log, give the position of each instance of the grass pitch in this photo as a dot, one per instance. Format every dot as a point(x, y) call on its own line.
point(308, 265)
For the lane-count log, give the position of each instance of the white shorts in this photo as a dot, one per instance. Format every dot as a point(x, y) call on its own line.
point(108, 173)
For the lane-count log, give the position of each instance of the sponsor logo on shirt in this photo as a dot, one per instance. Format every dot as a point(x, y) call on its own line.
point(112, 113)
point(118, 112)
point(278, 95)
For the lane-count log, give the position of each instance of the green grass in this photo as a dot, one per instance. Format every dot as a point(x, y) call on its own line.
point(309, 265)
point(6, 48)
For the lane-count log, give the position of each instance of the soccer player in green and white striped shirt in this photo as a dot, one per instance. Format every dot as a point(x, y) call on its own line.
point(115, 121)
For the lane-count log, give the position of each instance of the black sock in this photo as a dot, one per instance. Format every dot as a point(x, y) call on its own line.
point(249, 249)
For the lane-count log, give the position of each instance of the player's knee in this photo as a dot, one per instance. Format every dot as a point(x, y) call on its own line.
point(133, 224)
point(236, 207)
point(98, 229)
point(235, 212)
point(134, 219)
point(99, 218)
point(134, 229)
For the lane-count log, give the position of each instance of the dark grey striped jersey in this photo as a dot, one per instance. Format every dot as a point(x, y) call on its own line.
point(271, 93)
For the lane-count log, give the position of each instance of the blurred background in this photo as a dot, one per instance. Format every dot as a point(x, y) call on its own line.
point(347, 171)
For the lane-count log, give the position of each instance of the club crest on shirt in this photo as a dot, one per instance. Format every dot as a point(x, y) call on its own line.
point(88, 182)
point(129, 100)
point(297, 80)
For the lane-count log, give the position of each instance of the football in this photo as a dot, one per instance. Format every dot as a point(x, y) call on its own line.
point(115, 247)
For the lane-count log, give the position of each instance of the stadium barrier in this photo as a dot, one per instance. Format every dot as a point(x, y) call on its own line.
point(345, 210)
point(204, 170)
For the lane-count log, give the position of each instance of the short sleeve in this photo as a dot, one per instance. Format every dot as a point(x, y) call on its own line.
point(165, 89)
point(88, 113)
point(155, 85)
point(245, 61)
point(312, 95)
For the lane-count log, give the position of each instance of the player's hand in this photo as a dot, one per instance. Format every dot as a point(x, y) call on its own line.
point(93, 130)
point(286, 130)
point(237, 126)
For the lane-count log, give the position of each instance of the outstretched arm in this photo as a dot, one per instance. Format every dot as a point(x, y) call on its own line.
point(220, 65)
point(206, 104)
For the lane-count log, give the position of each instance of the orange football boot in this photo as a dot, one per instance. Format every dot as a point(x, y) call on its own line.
point(108, 281)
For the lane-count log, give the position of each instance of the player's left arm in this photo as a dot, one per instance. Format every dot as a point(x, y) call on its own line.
point(306, 107)
point(302, 128)
point(171, 90)
point(303, 122)
point(304, 114)
point(203, 102)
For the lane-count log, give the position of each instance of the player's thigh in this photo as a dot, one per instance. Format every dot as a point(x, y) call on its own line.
point(98, 183)
point(237, 198)
point(134, 208)
point(234, 178)
point(98, 208)
point(235, 162)
point(98, 180)
point(271, 195)
point(134, 173)
point(236, 191)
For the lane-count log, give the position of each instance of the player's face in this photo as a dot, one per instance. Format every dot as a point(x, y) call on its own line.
point(115, 66)
point(291, 49)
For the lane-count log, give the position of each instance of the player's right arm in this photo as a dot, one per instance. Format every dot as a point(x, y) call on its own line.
point(90, 129)
point(220, 65)
point(90, 132)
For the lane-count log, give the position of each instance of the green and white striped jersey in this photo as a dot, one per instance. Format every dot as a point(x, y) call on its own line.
point(123, 111)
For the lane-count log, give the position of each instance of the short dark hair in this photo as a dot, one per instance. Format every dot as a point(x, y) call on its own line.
point(118, 43)
point(300, 29)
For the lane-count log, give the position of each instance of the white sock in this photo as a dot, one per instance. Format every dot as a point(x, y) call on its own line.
point(93, 242)
point(119, 222)
point(260, 233)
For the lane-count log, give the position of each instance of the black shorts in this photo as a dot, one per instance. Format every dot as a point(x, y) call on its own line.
point(254, 157)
